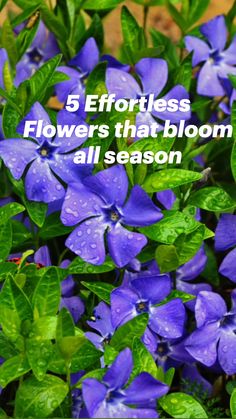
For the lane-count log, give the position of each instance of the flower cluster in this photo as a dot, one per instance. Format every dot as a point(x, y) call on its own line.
point(117, 283)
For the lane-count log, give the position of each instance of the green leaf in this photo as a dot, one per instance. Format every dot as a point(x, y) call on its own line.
point(39, 399)
point(53, 23)
point(98, 374)
point(12, 369)
point(213, 199)
point(19, 234)
point(10, 120)
point(69, 345)
point(133, 34)
point(170, 227)
point(110, 354)
point(5, 240)
point(44, 328)
point(6, 268)
point(101, 289)
point(83, 359)
point(13, 298)
point(39, 354)
point(37, 210)
point(53, 227)
point(65, 324)
point(7, 348)
point(2, 5)
point(42, 79)
point(100, 4)
point(179, 294)
point(188, 245)
point(167, 258)
point(125, 334)
point(233, 404)
point(25, 38)
point(197, 9)
point(169, 179)
point(180, 405)
point(79, 266)
point(10, 210)
point(8, 42)
point(96, 80)
point(46, 298)
point(177, 17)
point(170, 52)
point(142, 359)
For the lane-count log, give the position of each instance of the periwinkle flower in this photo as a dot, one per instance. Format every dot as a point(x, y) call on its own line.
point(153, 74)
point(215, 337)
point(111, 399)
point(43, 47)
point(99, 210)
point(145, 295)
point(225, 238)
point(102, 323)
point(218, 62)
point(46, 157)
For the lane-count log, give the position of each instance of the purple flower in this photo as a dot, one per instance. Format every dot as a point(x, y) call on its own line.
point(215, 336)
point(47, 157)
point(142, 296)
point(218, 62)
point(43, 47)
point(153, 74)
point(109, 398)
point(84, 62)
point(102, 323)
point(168, 353)
point(225, 238)
point(100, 208)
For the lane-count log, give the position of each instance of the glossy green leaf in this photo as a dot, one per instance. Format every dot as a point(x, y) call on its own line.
point(65, 324)
point(170, 227)
point(12, 369)
point(167, 258)
point(101, 289)
point(79, 266)
point(169, 179)
point(5, 240)
point(100, 4)
point(180, 405)
point(213, 199)
point(233, 404)
point(44, 328)
point(188, 245)
point(142, 359)
point(13, 298)
point(10, 210)
point(53, 227)
point(133, 35)
point(124, 335)
point(46, 298)
point(39, 399)
point(39, 354)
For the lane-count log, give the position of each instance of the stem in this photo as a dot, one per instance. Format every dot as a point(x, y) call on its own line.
point(145, 19)
point(61, 257)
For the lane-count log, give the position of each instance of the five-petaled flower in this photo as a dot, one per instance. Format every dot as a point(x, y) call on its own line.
point(99, 210)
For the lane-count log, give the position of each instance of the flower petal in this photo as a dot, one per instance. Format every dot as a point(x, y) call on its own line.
point(228, 266)
point(80, 203)
point(87, 241)
point(209, 307)
point(153, 73)
point(42, 256)
point(123, 302)
point(122, 84)
point(144, 389)
point(193, 268)
point(230, 53)
point(140, 211)
point(226, 352)
point(202, 344)
point(167, 198)
point(168, 319)
point(225, 234)
point(152, 288)
point(41, 184)
point(17, 154)
point(111, 184)
point(74, 305)
point(103, 324)
point(119, 372)
point(124, 245)
point(87, 58)
point(3, 59)
point(216, 32)
point(71, 141)
point(36, 113)
point(178, 92)
point(201, 50)
point(208, 81)
point(94, 393)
